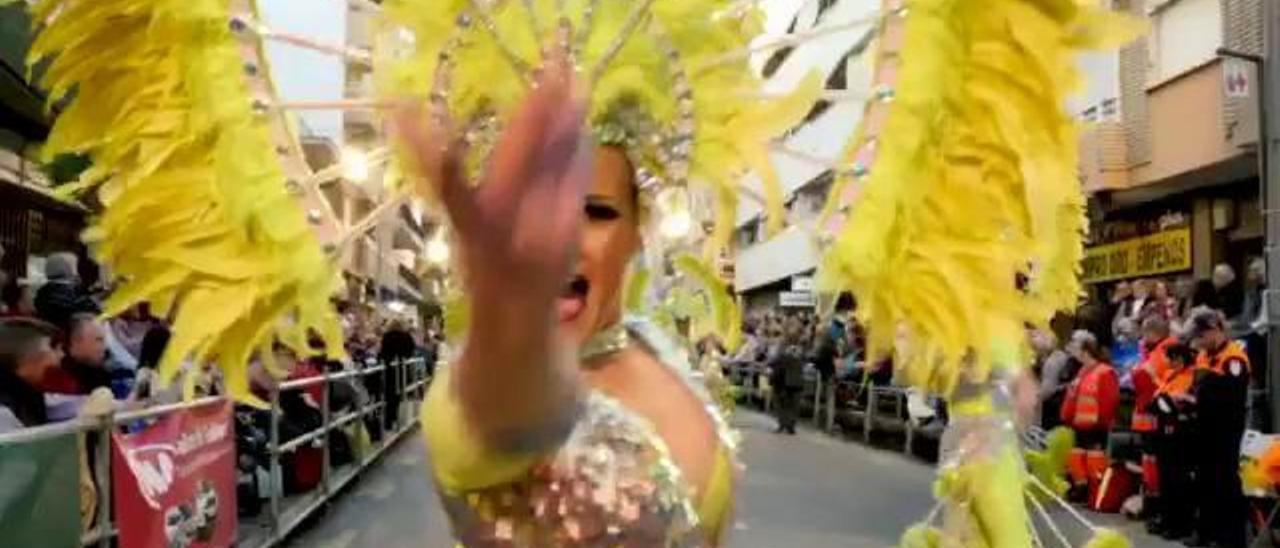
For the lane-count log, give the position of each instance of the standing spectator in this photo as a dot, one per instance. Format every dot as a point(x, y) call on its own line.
point(1221, 394)
point(1170, 507)
point(1089, 409)
point(145, 383)
point(1184, 290)
point(1119, 305)
point(397, 346)
point(828, 340)
point(26, 357)
point(1251, 325)
point(62, 296)
point(84, 367)
point(1161, 304)
point(786, 365)
point(1223, 292)
point(1147, 378)
point(1126, 349)
point(1056, 373)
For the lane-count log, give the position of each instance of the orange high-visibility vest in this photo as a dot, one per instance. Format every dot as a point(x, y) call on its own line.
point(1178, 383)
point(1088, 406)
point(1217, 363)
point(1147, 378)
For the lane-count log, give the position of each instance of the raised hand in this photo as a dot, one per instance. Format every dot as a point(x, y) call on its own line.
point(518, 230)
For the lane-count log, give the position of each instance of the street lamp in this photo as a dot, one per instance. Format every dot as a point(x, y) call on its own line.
point(677, 221)
point(355, 165)
point(438, 249)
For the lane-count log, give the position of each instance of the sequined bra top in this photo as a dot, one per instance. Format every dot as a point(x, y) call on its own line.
point(610, 483)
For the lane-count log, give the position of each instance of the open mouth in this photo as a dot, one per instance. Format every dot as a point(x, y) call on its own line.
point(573, 300)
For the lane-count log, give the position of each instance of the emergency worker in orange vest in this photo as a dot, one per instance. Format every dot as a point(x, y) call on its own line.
point(1090, 410)
point(1221, 394)
point(1147, 378)
point(1170, 508)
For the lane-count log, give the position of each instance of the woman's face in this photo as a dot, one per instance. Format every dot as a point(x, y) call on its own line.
point(610, 238)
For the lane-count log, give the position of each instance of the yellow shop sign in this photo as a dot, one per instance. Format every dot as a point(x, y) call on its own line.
point(1160, 253)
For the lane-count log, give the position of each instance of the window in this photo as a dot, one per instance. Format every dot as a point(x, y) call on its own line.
point(1184, 35)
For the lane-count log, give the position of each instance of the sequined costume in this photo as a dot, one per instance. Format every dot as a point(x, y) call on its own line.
point(610, 482)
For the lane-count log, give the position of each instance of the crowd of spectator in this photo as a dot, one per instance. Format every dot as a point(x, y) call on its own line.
point(1153, 380)
point(1155, 386)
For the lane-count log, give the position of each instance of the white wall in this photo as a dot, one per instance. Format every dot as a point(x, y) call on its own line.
point(304, 75)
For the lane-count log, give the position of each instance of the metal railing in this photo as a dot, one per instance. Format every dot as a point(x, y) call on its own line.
point(284, 513)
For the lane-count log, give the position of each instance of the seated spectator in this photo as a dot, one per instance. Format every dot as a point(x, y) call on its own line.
point(1089, 409)
point(26, 357)
point(62, 296)
point(84, 367)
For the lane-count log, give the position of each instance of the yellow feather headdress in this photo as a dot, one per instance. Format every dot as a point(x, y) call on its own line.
point(198, 221)
point(668, 80)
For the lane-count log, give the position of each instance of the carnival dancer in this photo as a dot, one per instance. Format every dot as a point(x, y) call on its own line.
point(562, 423)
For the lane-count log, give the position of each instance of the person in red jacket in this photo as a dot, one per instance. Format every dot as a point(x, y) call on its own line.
point(1090, 410)
point(1147, 377)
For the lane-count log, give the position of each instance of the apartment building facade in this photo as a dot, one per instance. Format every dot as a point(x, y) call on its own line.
point(777, 270)
point(388, 261)
point(1169, 156)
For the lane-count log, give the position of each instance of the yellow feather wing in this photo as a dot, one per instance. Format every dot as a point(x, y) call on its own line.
point(973, 185)
point(197, 218)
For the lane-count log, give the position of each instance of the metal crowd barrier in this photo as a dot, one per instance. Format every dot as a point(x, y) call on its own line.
point(284, 514)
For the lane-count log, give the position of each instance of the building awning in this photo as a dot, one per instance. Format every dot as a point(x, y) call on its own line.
point(1232, 170)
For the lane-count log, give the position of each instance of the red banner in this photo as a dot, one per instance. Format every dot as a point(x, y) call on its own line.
point(175, 481)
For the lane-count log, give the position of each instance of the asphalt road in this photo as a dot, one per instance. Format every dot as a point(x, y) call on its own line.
point(805, 491)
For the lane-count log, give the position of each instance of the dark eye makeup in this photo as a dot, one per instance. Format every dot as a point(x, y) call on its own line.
point(600, 212)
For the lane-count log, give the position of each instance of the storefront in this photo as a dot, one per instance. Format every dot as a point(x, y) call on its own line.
point(1173, 235)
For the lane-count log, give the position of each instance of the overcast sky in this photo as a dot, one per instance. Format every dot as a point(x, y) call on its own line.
point(303, 75)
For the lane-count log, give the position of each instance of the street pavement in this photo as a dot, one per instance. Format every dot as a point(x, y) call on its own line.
point(804, 491)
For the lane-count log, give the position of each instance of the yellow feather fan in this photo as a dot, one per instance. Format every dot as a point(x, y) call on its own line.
point(198, 221)
point(974, 185)
point(659, 81)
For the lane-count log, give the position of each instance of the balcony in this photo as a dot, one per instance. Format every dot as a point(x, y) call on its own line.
point(1194, 127)
point(791, 252)
point(1104, 157)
